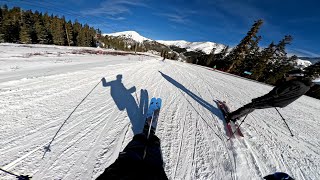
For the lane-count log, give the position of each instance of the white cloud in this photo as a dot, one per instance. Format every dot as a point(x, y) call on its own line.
point(182, 19)
point(302, 52)
point(113, 9)
point(178, 15)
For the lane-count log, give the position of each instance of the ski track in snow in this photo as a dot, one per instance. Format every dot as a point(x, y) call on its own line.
point(34, 112)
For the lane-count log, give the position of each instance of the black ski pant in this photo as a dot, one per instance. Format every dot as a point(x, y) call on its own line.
point(140, 159)
point(148, 150)
point(248, 108)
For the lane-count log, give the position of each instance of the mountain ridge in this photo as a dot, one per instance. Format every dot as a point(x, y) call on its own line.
point(205, 46)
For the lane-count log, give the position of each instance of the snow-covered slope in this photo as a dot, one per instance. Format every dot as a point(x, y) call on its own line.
point(129, 34)
point(303, 63)
point(206, 47)
point(86, 121)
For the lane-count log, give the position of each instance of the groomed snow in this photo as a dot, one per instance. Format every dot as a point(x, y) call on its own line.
point(86, 121)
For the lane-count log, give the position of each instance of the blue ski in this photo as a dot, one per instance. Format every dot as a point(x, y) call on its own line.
point(151, 122)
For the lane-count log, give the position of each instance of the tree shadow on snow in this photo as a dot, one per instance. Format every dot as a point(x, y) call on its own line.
point(202, 102)
point(124, 100)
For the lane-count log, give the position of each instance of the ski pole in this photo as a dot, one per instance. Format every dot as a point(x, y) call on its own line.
point(237, 127)
point(8, 172)
point(252, 105)
point(149, 131)
point(284, 121)
point(21, 177)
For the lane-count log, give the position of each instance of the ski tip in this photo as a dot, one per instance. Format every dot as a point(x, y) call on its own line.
point(159, 101)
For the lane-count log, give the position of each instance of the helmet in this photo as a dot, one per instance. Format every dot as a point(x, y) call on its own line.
point(278, 176)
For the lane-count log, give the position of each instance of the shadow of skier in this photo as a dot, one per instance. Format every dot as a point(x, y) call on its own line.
point(124, 100)
point(202, 102)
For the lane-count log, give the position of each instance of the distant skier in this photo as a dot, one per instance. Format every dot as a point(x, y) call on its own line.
point(278, 176)
point(141, 159)
point(294, 86)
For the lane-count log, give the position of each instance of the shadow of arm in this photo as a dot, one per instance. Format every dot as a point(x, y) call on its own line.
point(132, 90)
point(105, 83)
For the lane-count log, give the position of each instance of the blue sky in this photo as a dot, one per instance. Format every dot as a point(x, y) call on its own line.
point(221, 21)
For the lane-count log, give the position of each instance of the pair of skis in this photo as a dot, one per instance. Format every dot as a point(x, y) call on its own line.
point(232, 127)
point(151, 122)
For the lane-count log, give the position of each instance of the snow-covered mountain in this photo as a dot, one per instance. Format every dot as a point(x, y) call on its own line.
point(303, 63)
point(206, 47)
point(129, 34)
point(313, 60)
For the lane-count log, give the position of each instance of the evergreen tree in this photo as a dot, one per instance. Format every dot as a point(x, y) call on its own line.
point(24, 35)
point(11, 24)
point(313, 70)
point(81, 38)
point(219, 59)
point(58, 33)
point(92, 35)
point(280, 63)
point(17, 25)
point(47, 26)
point(41, 32)
point(252, 55)
point(69, 33)
point(238, 54)
point(27, 20)
point(1, 26)
point(211, 57)
point(76, 31)
point(262, 60)
point(220, 56)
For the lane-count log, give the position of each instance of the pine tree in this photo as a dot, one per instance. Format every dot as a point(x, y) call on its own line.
point(1, 26)
point(81, 38)
point(252, 55)
point(69, 33)
point(280, 63)
point(92, 35)
point(313, 70)
point(17, 25)
point(76, 32)
point(24, 35)
point(211, 57)
point(41, 32)
point(262, 60)
point(58, 33)
point(238, 54)
point(11, 24)
point(27, 20)
point(219, 56)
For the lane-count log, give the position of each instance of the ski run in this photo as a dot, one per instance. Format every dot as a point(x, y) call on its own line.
point(67, 116)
